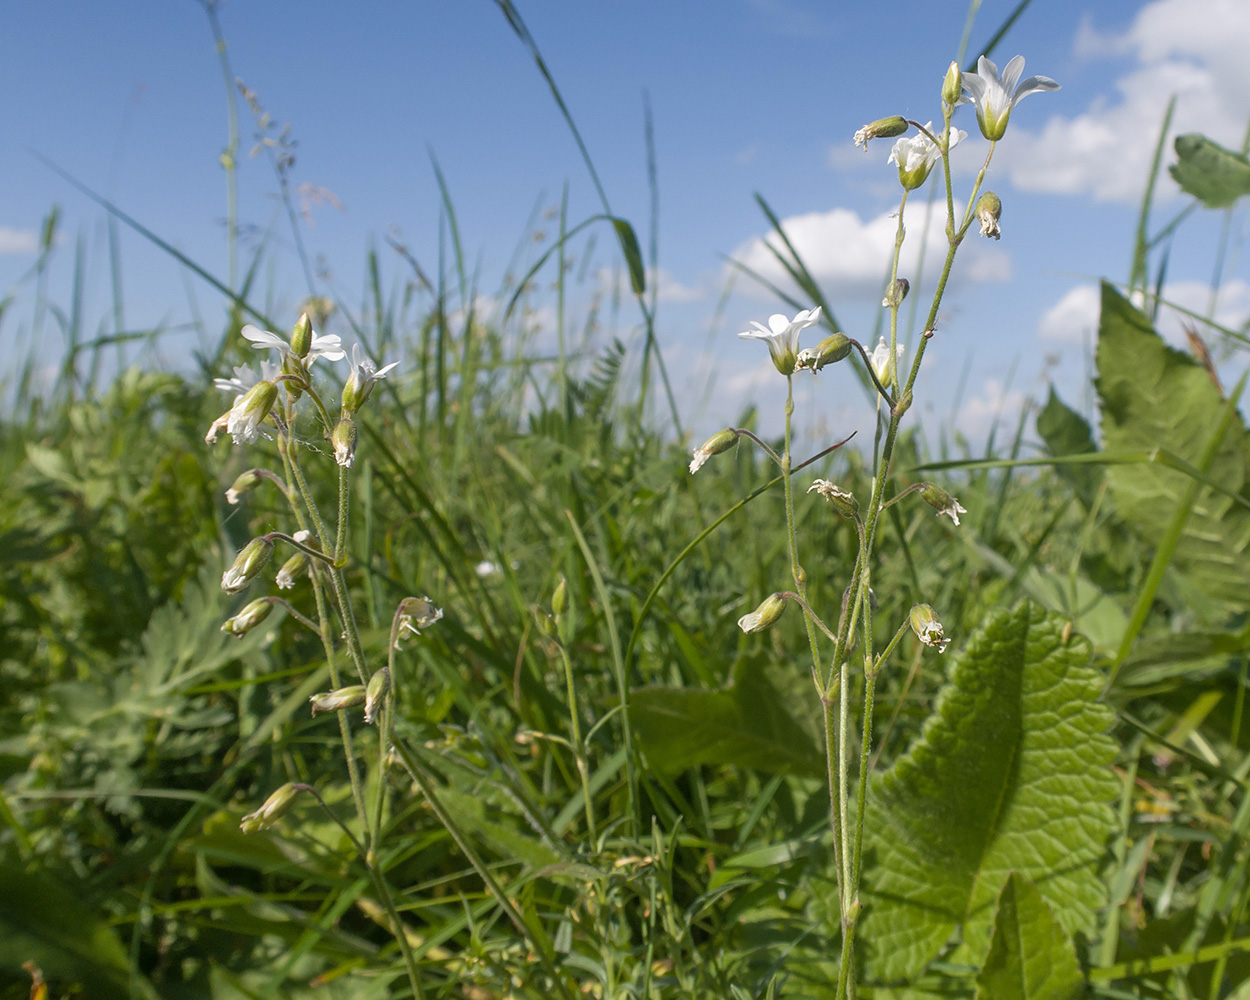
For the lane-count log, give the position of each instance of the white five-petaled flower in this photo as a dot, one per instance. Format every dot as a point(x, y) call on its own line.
point(882, 363)
point(326, 346)
point(995, 96)
point(916, 154)
point(782, 336)
point(360, 382)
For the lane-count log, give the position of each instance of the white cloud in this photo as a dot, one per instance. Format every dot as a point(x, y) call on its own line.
point(1193, 49)
point(1074, 318)
point(18, 241)
point(994, 405)
point(849, 256)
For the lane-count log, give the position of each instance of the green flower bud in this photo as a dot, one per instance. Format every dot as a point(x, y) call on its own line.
point(276, 806)
point(344, 441)
point(952, 85)
point(764, 616)
point(927, 627)
point(718, 442)
point(829, 351)
point(298, 564)
point(882, 128)
point(843, 501)
point(302, 337)
point(941, 501)
point(250, 560)
point(248, 618)
point(244, 484)
point(375, 692)
point(336, 701)
point(895, 292)
point(560, 597)
point(989, 211)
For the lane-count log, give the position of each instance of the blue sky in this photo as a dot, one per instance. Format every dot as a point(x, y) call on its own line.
point(746, 96)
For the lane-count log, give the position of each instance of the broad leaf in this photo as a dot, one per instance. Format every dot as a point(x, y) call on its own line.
point(1156, 397)
point(1211, 173)
point(1066, 432)
point(1030, 957)
point(1011, 773)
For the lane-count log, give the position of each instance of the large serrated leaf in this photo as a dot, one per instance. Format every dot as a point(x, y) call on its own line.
point(1011, 773)
point(1156, 397)
point(1067, 433)
point(1030, 957)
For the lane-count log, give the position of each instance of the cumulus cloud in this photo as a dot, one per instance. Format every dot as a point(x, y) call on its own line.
point(1074, 318)
point(1193, 49)
point(849, 255)
point(994, 405)
point(18, 241)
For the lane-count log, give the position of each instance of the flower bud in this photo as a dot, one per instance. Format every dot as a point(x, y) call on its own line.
point(843, 501)
point(952, 85)
point(336, 701)
point(829, 351)
point(718, 442)
point(927, 627)
point(414, 614)
point(276, 806)
point(249, 412)
point(344, 441)
point(248, 618)
point(560, 597)
point(895, 293)
point(250, 560)
point(902, 406)
point(941, 501)
point(989, 210)
point(375, 692)
point(244, 484)
point(764, 616)
point(297, 565)
point(882, 128)
point(302, 337)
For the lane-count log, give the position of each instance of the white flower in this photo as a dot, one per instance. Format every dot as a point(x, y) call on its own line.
point(360, 382)
point(249, 411)
point(927, 628)
point(916, 154)
point(882, 364)
point(782, 336)
point(326, 346)
point(486, 568)
point(245, 377)
point(942, 502)
point(995, 96)
point(416, 613)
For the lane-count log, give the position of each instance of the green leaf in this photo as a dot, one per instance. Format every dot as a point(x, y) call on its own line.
point(1030, 957)
point(1067, 433)
point(1156, 397)
point(1011, 773)
point(751, 724)
point(1211, 173)
point(633, 255)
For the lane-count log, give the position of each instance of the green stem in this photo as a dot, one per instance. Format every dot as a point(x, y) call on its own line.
point(579, 749)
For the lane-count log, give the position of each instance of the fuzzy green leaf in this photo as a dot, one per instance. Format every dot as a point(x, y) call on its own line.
point(1211, 173)
point(1011, 773)
point(1030, 957)
point(1066, 432)
point(1156, 397)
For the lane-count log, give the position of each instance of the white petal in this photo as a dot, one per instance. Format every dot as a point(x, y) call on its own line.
point(1032, 84)
point(262, 338)
point(778, 324)
point(1011, 73)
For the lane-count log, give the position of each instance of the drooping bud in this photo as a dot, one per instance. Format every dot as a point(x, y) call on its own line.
point(941, 501)
point(375, 692)
point(414, 614)
point(250, 560)
point(302, 337)
point(276, 806)
point(344, 441)
point(765, 615)
point(843, 501)
point(560, 597)
point(718, 442)
point(244, 484)
point(895, 292)
point(882, 128)
point(829, 351)
point(249, 412)
point(248, 618)
point(952, 85)
point(336, 701)
point(989, 211)
point(927, 627)
point(294, 567)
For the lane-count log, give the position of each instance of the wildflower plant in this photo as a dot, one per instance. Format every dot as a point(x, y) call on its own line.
point(918, 150)
point(269, 405)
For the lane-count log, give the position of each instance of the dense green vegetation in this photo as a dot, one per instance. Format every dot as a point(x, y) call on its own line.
point(1058, 803)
